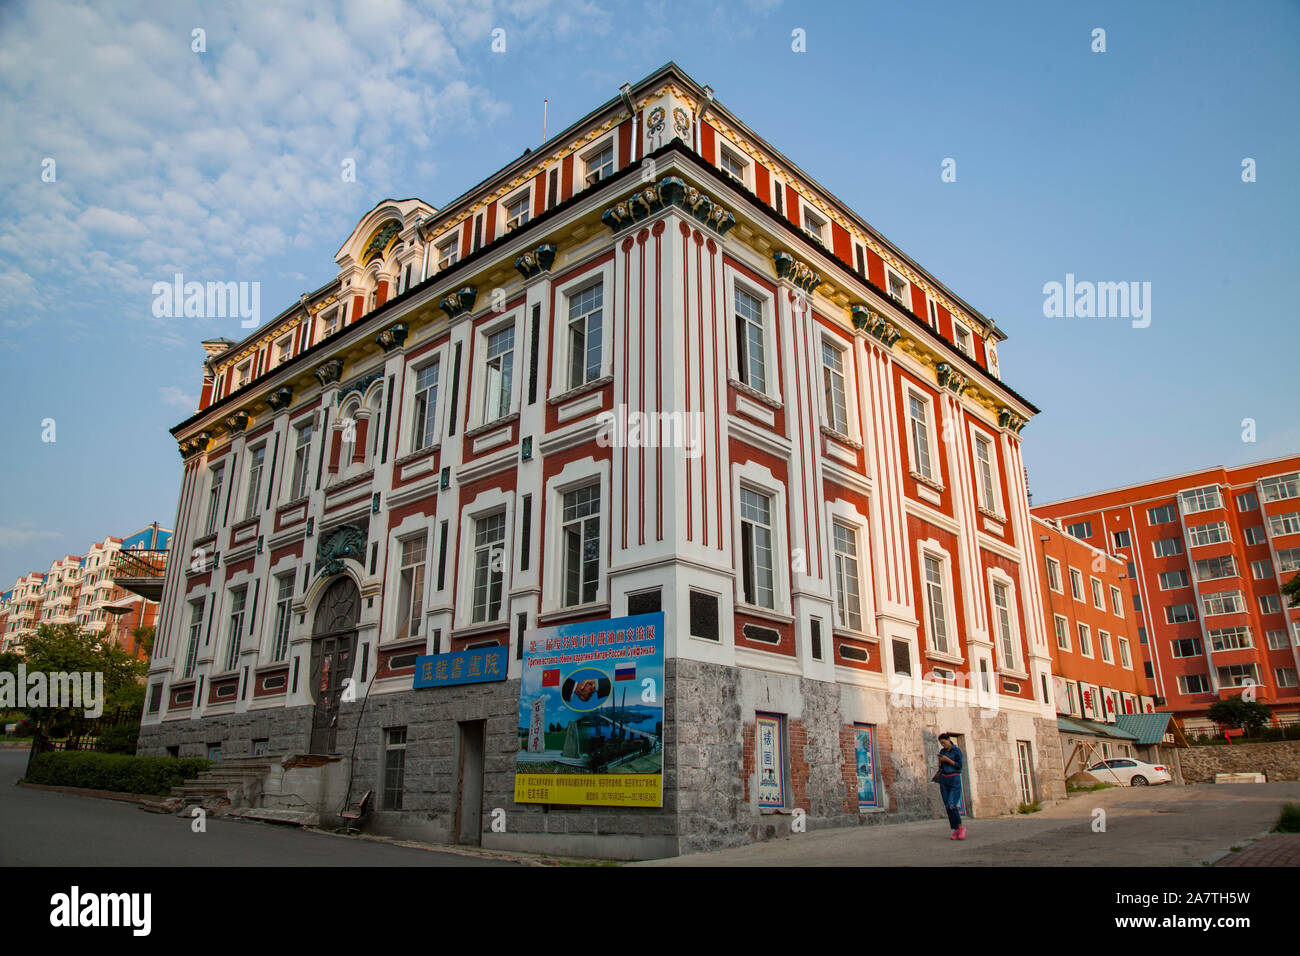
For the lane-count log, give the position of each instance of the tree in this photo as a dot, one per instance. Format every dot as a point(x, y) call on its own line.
point(143, 636)
point(1248, 715)
point(1292, 590)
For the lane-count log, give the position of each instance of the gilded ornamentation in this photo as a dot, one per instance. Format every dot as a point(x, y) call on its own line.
point(460, 301)
point(280, 398)
point(669, 191)
point(536, 262)
point(392, 338)
point(329, 372)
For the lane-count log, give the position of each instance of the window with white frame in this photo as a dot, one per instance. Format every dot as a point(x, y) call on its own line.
point(410, 586)
point(329, 323)
point(1284, 524)
point(214, 499)
point(448, 252)
point(1231, 638)
point(1076, 584)
point(1211, 569)
point(196, 628)
point(1167, 547)
point(986, 473)
point(599, 163)
point(1222, 602)
point(1161, 515)
point(1285, 676)
point(1214, 533)
point(751, 335)
point(814, 225)
point(498, 373)
point(936, 606)
point(918, 417)
point(237, 599)
point(1281, 487)
point(1261, 569)
point(897, 287)
point(1255, 535)
point(1276, 640)
point(933, 310)
point(1122, 539)
point(301, 461)
point(963, 339)
point(1201, 499)
point(283, 616)
point(1002, 622)
point(1124, 659)
point(837, 408)
point(585, 329)
point(255, 462)
point(1193, 683)
point(1247, 501)
point(1288, 559)
point(1103, 641)
point(580, 540)
point(425, 432)
point(1054, 575)
point(283, 349)
point(732, 164)
point(757, 571)
point(1085, 640)
point(489, 567)
point(1098, 601)
point(243, 372)
point(848, 600)
point(1270, 604)
point(517, 210)
point(1080, 529)
point(1171, 580)
point(1116, 602)
point(1238, 675)
point(1180, 613)
point(1062, 632)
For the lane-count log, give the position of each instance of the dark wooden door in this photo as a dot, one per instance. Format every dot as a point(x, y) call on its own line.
point(334, 634)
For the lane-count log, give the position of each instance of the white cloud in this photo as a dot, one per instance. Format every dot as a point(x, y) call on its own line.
point(12, 537)
point(178, 399)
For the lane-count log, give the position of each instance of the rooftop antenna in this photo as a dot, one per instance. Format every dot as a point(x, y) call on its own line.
point(545, 102)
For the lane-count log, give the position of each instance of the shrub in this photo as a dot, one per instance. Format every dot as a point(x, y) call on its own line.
point(118, 772)
point(119, 740)
point(1289, 821)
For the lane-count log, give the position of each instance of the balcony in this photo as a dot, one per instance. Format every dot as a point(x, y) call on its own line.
point(140, 572)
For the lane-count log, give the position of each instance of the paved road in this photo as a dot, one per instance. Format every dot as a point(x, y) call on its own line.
point(1145, 826)
point(43, 828)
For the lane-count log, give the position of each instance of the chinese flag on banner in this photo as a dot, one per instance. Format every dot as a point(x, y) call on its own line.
point(551, 678)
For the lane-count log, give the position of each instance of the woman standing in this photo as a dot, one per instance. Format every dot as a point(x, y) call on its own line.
point(950, 760)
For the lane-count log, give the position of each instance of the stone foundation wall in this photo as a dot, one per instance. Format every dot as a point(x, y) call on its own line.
point(1279, 759)
point(709, 800)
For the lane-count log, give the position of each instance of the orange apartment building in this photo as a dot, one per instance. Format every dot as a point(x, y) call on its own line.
point(1206, 554)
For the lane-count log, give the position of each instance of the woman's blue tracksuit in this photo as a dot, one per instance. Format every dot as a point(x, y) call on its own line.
point(950, 785)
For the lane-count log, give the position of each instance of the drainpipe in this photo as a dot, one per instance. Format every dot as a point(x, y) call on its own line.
point(625, 91)
point(699, 115)
point(424, 264)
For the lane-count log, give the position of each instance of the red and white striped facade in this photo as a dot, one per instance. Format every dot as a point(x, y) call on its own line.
point(919, 466)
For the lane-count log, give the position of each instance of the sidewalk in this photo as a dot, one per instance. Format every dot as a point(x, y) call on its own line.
point(1276, 849)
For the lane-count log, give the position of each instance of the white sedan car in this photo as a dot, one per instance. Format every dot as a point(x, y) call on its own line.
point(1131, 772)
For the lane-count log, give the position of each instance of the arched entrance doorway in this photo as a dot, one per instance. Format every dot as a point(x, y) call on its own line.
point(334, 634)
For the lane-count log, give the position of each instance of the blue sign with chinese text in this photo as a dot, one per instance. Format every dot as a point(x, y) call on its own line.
point(476, 666)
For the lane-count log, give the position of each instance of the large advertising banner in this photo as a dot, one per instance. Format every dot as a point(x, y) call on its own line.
point(591, 714)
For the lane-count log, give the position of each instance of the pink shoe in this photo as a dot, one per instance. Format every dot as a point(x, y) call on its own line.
point(960, 834)
point(954, 836)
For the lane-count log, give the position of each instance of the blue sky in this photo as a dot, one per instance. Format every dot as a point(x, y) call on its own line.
point(1115, 166)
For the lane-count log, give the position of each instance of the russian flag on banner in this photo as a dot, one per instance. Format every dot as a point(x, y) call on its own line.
point(625, 672)
point(551, 678)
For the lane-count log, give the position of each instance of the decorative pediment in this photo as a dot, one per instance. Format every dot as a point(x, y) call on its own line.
point(280, 399)
point(344, 543)
point(459, 302)
point(357, 385)
point(788, 267)
point(536, 262)
point(380, 240)
point(875, 325)
point(669, 191)
point(393, 338)
point(329, 372)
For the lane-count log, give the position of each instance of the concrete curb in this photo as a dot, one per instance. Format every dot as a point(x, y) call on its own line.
point(525, 859)
point(97, 794)
point(1214, 858)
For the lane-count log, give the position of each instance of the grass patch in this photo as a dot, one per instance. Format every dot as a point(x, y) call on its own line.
point(1071, 788)
point(1028, 807)
point(1289, 820)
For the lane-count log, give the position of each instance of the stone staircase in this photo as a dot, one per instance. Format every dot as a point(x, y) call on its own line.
point(234, 783)
point(274, 788)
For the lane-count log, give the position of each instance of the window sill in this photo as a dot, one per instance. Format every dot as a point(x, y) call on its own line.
point(1012, 674)
point(763, 612)
point(928, 482)
point(855, 635)
point(750, 392)
point(493, 425)
point(578, 390)
point(417, 454)
point(577, 610)
point(481, 628)
point(992, 515)
point(842, 438)
point(941, 656)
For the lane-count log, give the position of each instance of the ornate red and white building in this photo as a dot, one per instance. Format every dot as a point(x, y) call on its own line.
point(648, 366)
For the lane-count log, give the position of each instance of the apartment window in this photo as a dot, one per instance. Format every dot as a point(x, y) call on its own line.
point(732, 164)
point(1103, 641)
point(1238, 675)
point(1284, 486)
point(756, 548)
point(214, 499)
point(1187, 647)
point(1002, 621)
point(1285, 676)
point(1062, 632)
point(1116, 602)
point(1121, 539)
point(750, 350)
point(848, 601)
point(1214, 533)
point(1085, 640)
point(919, 419)
point(1270, 604)
point(1247, 501)
point(898, 288)
point(580, 533)
point(517, 211)
point(932, 309)
point(1082, 529)
point(410, 588)
point(426, 406)
point(837, 409)
point(1284, 524)
point(329, 323)
point(489, 541)
point(243, 373)
point(283, 616)
point(254, 481)
point(498, 373)
point(814, 225)
point(196, 627)
point(1222, 602)
point(1180, 613)
point(1124, 659)
point(1288, 559)
point(1230, 638)
point(1076, 584)
point(1193, 683)
point(984, 471)
point(1054, 575)
point(1277, 640)
point(1259, 570)
point(282, 349)
point(585, 310)
point(1254, 535)
point(1098, 601)
point(963, 337)
point(237, 598)
point(301, 459)
point(599, 163)
point(1170, 580)
point(1167, 547)
point(394, 767)
point(1162, 515)
point(1201, 499)
point(1210, 569)
point(448, 252)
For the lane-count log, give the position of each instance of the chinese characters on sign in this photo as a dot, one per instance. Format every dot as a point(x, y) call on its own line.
point(771, 762)
point(477, 666)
